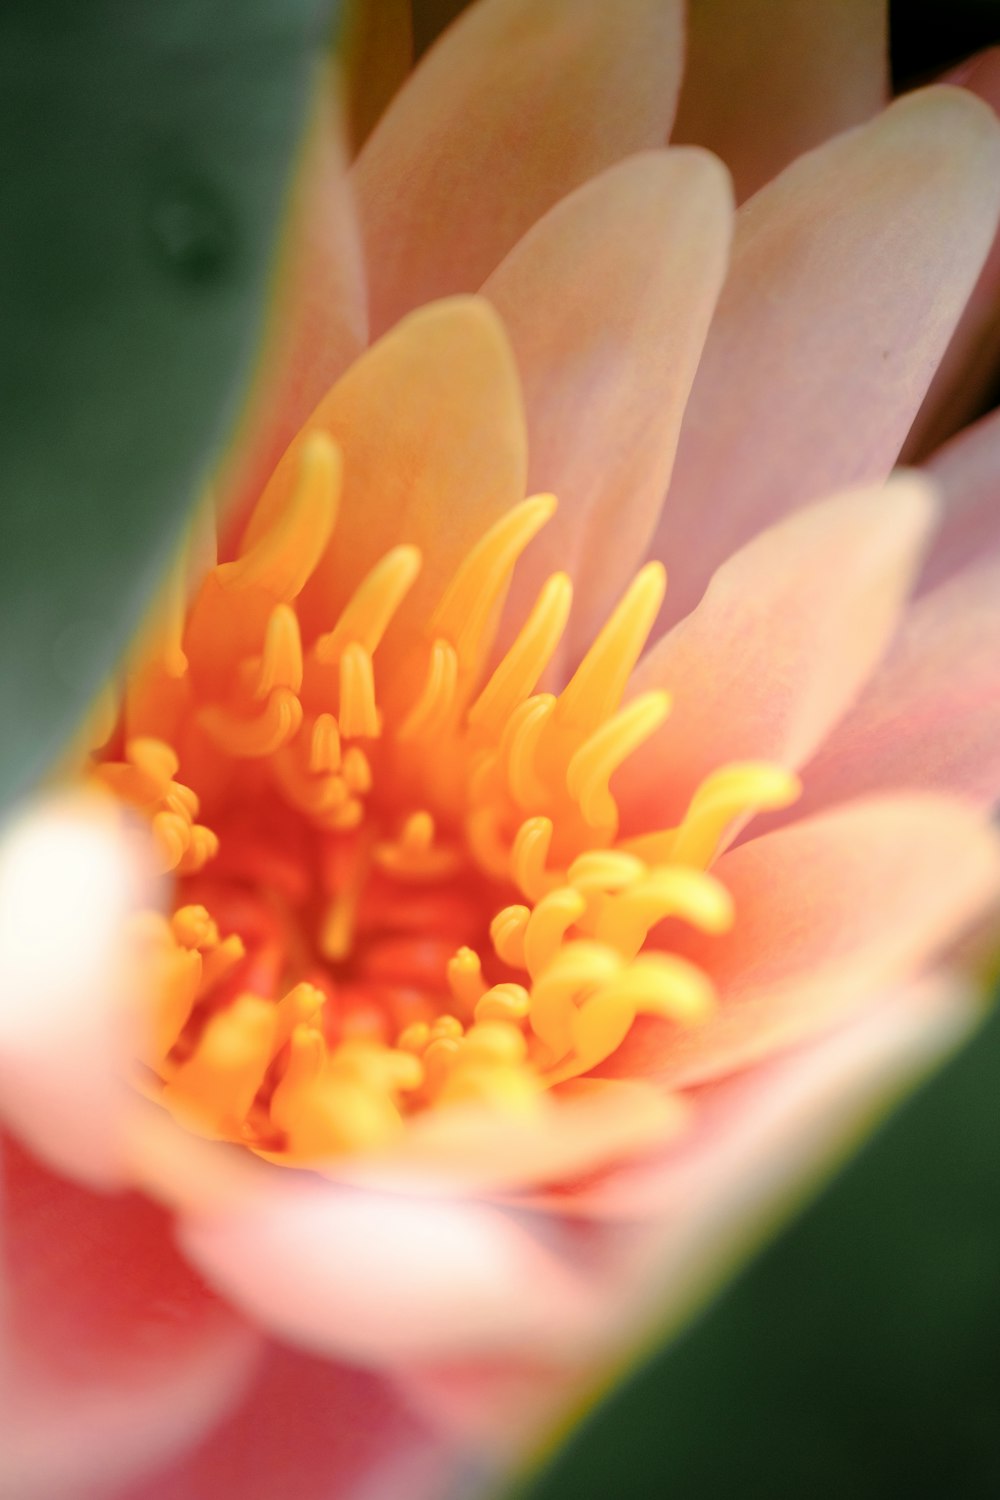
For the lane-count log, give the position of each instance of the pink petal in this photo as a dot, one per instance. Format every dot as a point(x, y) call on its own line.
point(318, 320)
point(69, 880)
point(787, 633)
point(115, 1357)
point(310, 1430)
point(389, 1279)
point(431, 424)
point(930, 718)
point(828, 911)
point(969, 366)
point(849, 273)
point(519, 102)
point(769, 79)
point(607, 302)
point(966, 474)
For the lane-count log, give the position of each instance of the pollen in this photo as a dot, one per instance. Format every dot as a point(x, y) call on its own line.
point(399, 880)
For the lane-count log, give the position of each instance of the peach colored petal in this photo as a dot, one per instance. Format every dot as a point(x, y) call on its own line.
point(966, 473)
point(431, 424)
point(607, 302)
point(517, 104)
point(969, 367)
point(69, 879)
point(930, 718)
point(828, 910)
point(311, 1430)
point(848, 275)
point(318, 320)
point(115, 1359)
point(385, 1279)
point(766, 80)
point(786, 635)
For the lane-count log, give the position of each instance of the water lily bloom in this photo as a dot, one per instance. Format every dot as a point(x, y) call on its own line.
point(571, 775)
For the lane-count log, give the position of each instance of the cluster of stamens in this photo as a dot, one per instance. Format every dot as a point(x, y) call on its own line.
point(410, 890)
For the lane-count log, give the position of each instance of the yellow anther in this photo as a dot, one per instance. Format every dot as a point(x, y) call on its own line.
point(471, 599)
point(203, 845)
point(284, 556)
point(357, 771)
point(437, 695)
point(181, 799)
point(155, 759)
point(578, 969)
point(417, 835)
point(518, 673)
point(666, 891)
point(447, 1026)
point(548, 925)
point(526, 727)
point(281, 661)
point(595, 762)
point(601, 870)
point(324, 747)
point(358, 713)
point(465, 978)
point(504, 1002)
point(495, 1041)
point(369, 612)
point(439, 1059)
point(414, 1038)
point(529, 855)
point(175, 979)
point(193, 927)
point(254, 739)
point(172, 835)
point(507, 931)
point(734, 791)
point(220, 1081)
point(220, 961)
point(302, 1003)
point(596, 687)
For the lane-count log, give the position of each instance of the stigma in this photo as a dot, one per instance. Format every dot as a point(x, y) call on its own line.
point(399, 879)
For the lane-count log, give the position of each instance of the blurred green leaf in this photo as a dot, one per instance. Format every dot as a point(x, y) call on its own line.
point(858, 1356)
point(147, 147)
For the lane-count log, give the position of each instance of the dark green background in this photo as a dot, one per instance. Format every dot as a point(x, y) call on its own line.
point(146, 147)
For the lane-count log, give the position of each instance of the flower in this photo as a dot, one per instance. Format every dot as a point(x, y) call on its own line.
point(485, 994)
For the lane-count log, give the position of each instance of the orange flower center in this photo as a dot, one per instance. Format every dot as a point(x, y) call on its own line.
point(399, 881)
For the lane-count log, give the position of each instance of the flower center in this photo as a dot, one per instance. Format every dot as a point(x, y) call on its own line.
point(399, 881)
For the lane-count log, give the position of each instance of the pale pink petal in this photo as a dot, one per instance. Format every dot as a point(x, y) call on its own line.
point(517, 104)
point(115, 1358)
point(848, 275)
point(69, 879)
point(389, 1279)
point(766, 80)
point(828, 911)
point(311, 1430)
point(972, 359)
point(431, 425)
point(787, 633)
point(966, 474)
point(317, 322)
point(607, 302)
point(930, 718)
